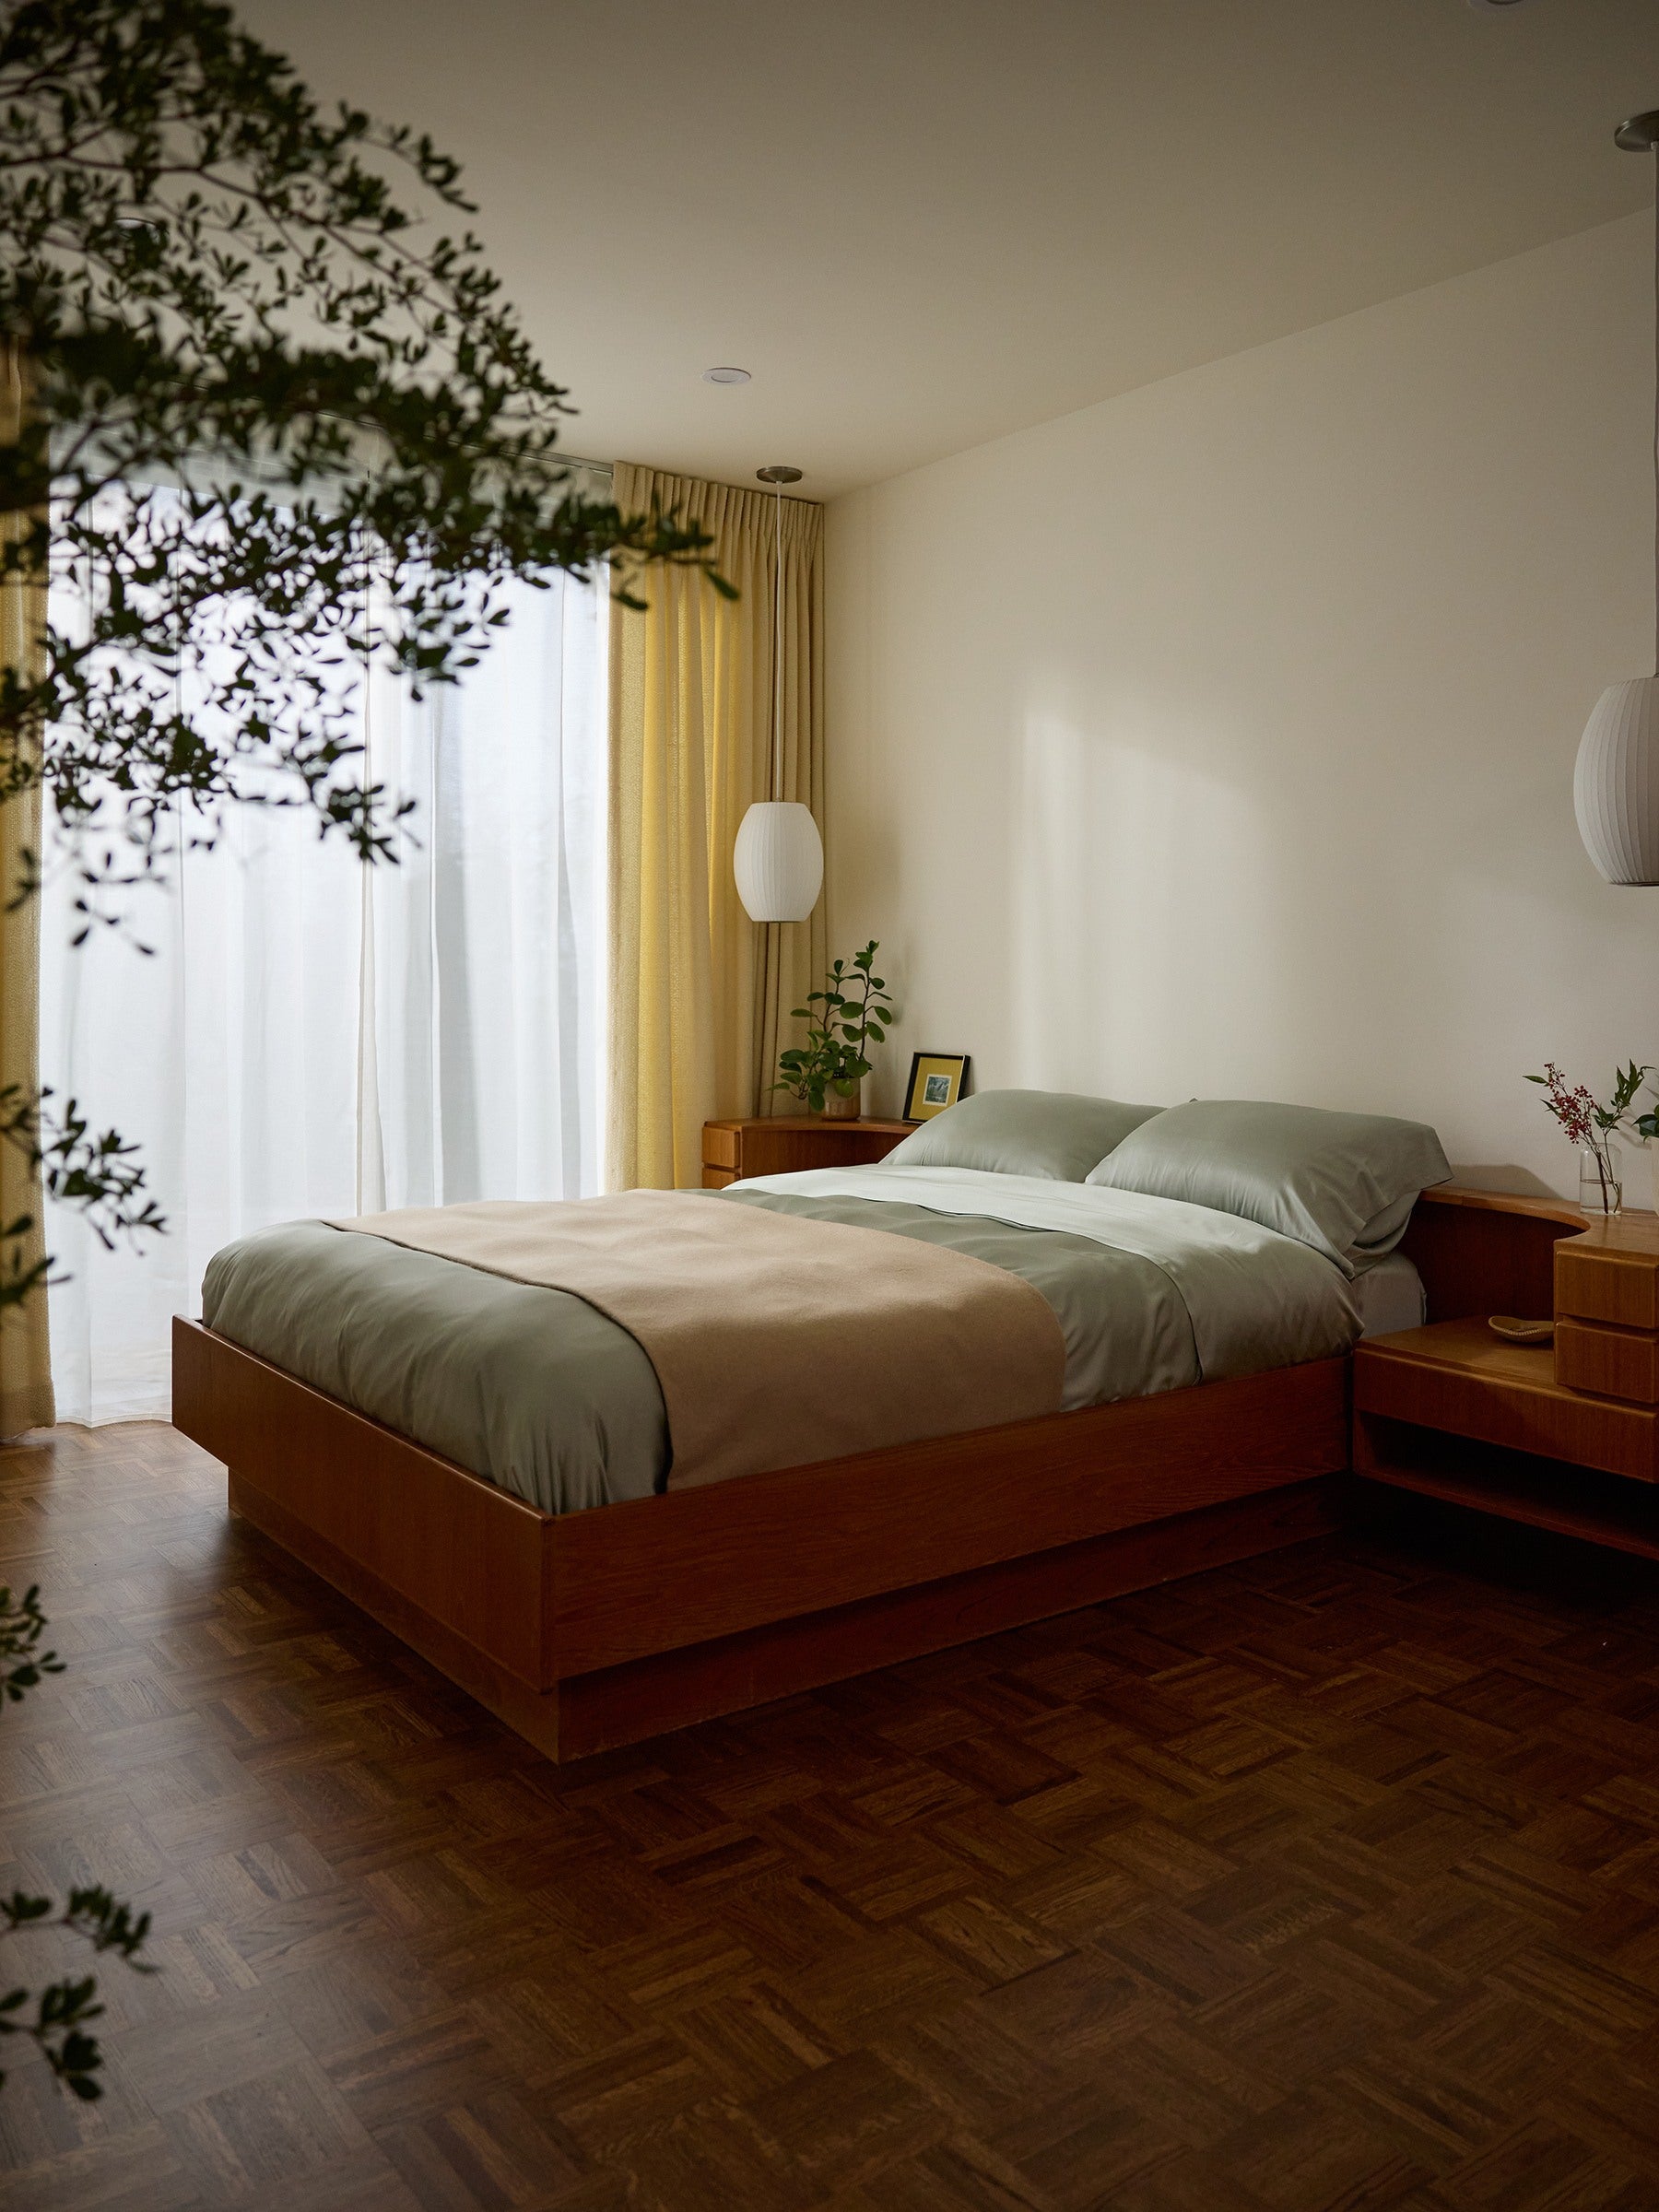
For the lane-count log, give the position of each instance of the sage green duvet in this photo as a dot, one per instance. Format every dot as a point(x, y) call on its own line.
point(538, 1391)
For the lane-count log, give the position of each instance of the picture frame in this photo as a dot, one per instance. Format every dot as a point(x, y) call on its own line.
point(935, 1082)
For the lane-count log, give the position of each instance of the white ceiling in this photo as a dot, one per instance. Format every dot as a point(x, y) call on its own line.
point(921, 223)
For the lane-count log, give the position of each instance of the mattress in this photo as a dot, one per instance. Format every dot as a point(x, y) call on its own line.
point(538, 1392)
point(1389, 1296)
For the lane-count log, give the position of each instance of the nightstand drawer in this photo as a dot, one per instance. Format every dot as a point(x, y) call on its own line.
point(765, 1151)
point(719, 1146)
point(1614, 1363)
point(780, 1144)
point(1596, 1282)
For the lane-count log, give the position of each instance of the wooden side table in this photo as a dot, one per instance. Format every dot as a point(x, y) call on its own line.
point(1565, 1438)
point(780, 1145)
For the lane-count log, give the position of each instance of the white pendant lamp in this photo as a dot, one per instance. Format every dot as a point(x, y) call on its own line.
point(1616, 780)
point(778, 856)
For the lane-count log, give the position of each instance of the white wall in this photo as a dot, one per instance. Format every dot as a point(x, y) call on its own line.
point(1218, 740)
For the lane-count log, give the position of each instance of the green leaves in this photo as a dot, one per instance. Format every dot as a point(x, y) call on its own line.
point(98, 1173)
point(1628, 1082)
point(279, 427)
point(22, 1662)
point(63, 2007)
point(841, 1023)
point(109, 1925)
point(217, 288)
point(61, 2011)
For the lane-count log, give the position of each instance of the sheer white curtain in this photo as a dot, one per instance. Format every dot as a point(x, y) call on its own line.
point(311, 1036)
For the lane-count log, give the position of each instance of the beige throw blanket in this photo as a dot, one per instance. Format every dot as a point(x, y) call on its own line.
point(777, 1341)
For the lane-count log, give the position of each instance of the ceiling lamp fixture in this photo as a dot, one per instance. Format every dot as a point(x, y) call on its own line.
point(778, 856)
point(725, 376)
point(1616, 782)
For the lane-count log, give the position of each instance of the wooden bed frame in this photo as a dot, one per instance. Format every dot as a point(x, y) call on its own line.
point(587, 1630)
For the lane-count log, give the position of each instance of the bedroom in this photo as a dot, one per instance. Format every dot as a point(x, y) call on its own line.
point(1228, 488)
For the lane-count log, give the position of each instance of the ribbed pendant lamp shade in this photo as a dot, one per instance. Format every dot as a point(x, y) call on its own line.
point(1616, 778)
point(778, 862)
point(1615, 783)
point(777, 859)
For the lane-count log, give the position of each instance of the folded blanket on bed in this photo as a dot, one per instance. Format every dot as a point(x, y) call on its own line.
point(776, 1340)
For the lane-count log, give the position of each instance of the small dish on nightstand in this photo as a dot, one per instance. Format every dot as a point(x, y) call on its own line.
point(1515, 1331)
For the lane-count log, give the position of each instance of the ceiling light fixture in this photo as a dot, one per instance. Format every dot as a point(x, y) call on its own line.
point(725, 376)
point(1496, 8)
point(1616, 777)
point(779, 857)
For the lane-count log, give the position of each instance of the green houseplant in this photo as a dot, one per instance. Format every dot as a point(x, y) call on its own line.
point(852, 1012)
point(278, 425)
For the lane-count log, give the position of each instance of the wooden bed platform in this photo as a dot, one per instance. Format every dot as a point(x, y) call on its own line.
point(587, 1630)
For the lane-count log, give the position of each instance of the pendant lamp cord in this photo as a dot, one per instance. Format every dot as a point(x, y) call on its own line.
point(1656, 406)
point(778, 625)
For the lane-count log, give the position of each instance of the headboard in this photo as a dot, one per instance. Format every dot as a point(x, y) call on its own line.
point(1488, 1252)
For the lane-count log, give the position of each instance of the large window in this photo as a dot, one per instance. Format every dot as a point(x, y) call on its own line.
point(308, 1036)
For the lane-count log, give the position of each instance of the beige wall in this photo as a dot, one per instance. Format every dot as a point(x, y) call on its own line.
point(1218, 740)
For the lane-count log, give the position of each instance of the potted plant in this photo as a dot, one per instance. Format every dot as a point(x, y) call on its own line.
point(851, 1012)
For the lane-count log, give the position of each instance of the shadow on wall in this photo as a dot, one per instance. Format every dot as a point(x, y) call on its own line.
point(1507, 1178)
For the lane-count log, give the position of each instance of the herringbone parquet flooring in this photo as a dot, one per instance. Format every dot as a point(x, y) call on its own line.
point(1330, 1881)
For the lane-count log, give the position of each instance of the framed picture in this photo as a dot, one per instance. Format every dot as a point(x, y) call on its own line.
point(935, 1082)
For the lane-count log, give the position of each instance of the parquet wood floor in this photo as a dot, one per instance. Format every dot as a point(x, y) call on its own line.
point(1328, 1881)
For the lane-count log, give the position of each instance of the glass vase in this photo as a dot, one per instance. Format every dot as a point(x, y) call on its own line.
point(1601, 1177)
point(838, 1108)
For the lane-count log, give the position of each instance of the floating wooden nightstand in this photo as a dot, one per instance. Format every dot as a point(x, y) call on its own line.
point(780, 1145)
point(1564, 1438)
point(1457, 1379)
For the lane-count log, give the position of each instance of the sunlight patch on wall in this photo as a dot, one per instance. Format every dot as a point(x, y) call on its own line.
point(1142, 908)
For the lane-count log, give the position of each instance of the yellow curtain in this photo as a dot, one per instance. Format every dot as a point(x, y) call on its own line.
point(24, 1354)
point(700, 993)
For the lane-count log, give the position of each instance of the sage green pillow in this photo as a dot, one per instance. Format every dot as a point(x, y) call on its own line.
point(1343, 1183)
point(1050, 1133)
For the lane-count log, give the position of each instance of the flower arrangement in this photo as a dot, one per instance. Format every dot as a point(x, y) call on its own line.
point(1591, 1126)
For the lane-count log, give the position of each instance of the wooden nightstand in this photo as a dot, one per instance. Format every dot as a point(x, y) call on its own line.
point(787, 1141)
point(1564, 1438)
